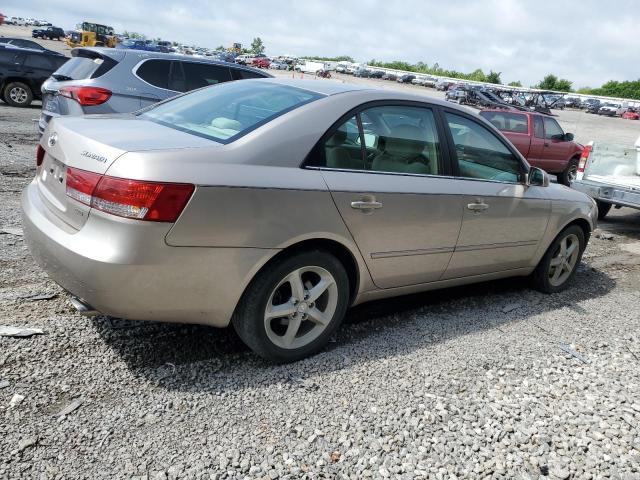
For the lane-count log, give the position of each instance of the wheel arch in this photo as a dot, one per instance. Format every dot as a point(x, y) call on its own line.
point(336, 248)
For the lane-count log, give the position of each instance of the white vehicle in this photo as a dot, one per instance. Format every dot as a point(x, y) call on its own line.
point(353, 68)
point(20, 21)
point(342, 67)
point(610, 174)
point(310, 67)
point(611, 109)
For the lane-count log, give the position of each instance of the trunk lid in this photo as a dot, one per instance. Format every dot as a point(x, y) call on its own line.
point(93, 143)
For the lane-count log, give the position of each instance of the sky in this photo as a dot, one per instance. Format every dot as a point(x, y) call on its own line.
point(586, 41)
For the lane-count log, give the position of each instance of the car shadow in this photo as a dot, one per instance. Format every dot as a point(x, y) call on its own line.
point(203, 359)
point(35, 105)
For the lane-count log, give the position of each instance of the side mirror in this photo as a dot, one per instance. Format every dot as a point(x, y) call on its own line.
point(537, 177)
point(568, 137)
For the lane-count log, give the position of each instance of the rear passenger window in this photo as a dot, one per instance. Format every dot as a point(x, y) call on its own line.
point(155, 72)
point(39, 61)
point(198, 75)
point(507, 122)
point(479, 152)
point(239, 74)
point(397, 139)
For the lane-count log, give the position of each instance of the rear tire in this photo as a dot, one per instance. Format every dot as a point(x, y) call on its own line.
point(558, 267)
point(570, 173)
point(603, 209)
point(18, 94)
point(291, 309)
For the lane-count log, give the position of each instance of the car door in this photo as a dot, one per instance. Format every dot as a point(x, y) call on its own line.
point(389, 188)
point(536, 151)
point(503, 218)
point(556, 149)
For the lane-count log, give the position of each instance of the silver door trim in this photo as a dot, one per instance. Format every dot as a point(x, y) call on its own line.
point(488, 246)
point(406, 253)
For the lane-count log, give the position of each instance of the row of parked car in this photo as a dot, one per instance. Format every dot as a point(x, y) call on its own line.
point(24, 22)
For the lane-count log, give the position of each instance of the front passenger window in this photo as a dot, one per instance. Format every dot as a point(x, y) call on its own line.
point(480, 153)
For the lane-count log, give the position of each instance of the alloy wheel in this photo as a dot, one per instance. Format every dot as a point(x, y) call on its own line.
point(18, 95)
point(301, 307)
point(564, 260)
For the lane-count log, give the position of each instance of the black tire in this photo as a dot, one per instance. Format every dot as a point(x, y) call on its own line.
point(249, 316)
point(23, 96)
point(569, 173)
point(540, 276)
point(603, 209)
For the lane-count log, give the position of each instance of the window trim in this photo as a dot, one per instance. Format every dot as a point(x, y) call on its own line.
point(444, 163)
point(483, 123)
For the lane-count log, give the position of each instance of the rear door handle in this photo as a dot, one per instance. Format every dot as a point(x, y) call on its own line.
point(478, 207)
point(368, 205)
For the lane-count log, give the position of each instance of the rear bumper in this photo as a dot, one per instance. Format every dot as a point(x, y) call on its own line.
point(125, 269)
point(613, 194)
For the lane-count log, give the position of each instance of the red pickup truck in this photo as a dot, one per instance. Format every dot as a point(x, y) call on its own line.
point(541, 140)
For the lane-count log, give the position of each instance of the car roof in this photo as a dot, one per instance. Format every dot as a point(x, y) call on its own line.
point(331, 87)
point(144, 54)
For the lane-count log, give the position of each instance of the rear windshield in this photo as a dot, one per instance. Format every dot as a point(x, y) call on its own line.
point(81, 67)
point(229, 110)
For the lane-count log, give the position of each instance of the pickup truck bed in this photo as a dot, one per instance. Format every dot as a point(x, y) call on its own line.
point(611, 175)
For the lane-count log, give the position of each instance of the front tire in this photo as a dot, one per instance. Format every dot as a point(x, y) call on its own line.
point(18, 94)
point(291, 309)
point(557, 268)
point(570, 173)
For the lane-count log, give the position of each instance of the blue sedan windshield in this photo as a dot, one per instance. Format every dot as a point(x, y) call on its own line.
point(229, 110)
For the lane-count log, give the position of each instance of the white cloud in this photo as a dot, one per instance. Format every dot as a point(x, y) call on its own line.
point(586, 41)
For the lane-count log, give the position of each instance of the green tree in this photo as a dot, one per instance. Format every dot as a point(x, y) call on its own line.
point(494, 77)
point(516, 83)
point(257, 46)
point(552, 82)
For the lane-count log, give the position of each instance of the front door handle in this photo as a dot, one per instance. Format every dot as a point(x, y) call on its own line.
point(366, 205)
point(478, 207)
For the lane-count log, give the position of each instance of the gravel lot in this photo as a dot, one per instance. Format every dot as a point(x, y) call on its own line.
point(493, 380)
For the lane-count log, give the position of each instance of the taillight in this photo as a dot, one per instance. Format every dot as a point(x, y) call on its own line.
point(39, 155)
point(140, 200)
point(584, 158)
point(86, 96)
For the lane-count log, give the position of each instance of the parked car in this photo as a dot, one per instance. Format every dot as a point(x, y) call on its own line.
point(154, 216)
point(592, 105)
point(2, 18)
point(610, 109)
point(631, 114)
point(260, 62)
point(362, 72)
point(572, 102)
point(390, 76)
point(444, 85)
point(275, 65)
point(376, 74)
point(107, 80)
point(136, 44)
point(406, 78)
point(51, 33)
point(541, 140)
point(457, 95)
point(25, 43)
point(609, 174)
point(22, 73)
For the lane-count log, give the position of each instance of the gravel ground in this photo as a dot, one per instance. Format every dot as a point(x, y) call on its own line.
point(492, 380)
